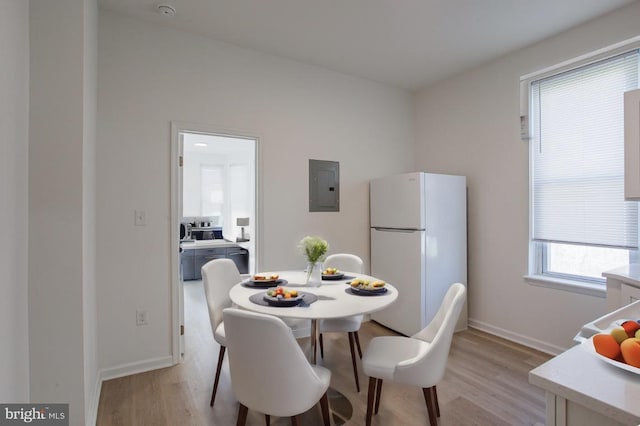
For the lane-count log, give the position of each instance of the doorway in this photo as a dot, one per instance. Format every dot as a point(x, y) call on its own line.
point(214, 193)
point(218, 189)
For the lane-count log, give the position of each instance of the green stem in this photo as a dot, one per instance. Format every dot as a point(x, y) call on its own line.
point(310, 270)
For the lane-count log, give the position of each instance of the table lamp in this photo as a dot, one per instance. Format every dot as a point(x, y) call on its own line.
point(242, 222)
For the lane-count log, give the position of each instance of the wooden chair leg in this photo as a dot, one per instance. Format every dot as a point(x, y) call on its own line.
point(321, 346)
point(215, 381)
point(324, 405)
point(370, 396)
point(427, 399)
point(267, 419)
point(314, 342)
point(353, 360)
point(294, 420)
point(355, 333)
point(435, 399)
point(378, 392)
point(242, 415)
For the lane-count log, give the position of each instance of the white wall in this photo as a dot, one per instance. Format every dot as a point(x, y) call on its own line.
point(14, 127)
point(62, 321)
point(150, 75)
point(469, 125)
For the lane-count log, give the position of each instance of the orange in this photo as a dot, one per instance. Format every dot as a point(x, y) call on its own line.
point(631, 352)
point(606, 345)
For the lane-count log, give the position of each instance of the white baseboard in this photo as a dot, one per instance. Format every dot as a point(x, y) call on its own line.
point(121, 371)
point(517, 338)
point(135, 367)
point(92, 419)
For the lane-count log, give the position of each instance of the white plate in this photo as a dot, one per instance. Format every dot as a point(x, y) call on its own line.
point(588, 345)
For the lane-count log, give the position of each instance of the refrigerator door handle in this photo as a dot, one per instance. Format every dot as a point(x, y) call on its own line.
point(405, 230)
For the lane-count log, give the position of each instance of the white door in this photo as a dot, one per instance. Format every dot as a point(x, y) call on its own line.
point(397, 257)
point(397, 201)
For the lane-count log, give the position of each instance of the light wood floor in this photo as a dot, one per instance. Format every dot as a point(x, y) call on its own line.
point(485, 383)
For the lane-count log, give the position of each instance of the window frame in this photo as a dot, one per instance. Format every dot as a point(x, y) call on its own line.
point(538, 251)
point(542, 256)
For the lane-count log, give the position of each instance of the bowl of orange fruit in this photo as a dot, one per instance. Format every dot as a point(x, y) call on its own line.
point(620, 346)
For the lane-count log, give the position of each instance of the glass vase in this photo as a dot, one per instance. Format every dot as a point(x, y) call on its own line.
point(314, 274)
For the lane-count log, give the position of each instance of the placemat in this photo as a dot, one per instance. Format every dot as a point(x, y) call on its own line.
point(335, 277)
point(307, 299)
point(259, 284)
point(355, 292)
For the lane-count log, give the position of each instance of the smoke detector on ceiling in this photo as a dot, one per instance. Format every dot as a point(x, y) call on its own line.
point(166, 9)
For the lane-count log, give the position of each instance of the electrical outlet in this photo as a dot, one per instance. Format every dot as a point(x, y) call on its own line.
point(141, 317)
point(140, 218)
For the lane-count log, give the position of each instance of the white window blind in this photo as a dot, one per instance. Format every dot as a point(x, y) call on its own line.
point(577, 124)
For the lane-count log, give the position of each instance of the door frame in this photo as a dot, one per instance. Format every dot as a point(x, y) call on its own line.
point(177, 302)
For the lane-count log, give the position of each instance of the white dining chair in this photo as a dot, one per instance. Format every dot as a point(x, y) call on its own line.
point(218, 276)
point(269, 371)
point(419, 360)
point(344, 262)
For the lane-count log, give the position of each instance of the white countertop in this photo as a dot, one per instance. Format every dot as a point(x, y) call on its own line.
point(629, 274)
point(579, 376)
point(197, 244)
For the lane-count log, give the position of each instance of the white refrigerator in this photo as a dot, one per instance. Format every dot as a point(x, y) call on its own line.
point(418, 244)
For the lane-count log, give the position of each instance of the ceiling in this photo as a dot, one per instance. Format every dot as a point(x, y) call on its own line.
point(405, 43)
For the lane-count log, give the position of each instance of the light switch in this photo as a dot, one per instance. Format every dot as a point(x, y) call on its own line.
point(140, 218)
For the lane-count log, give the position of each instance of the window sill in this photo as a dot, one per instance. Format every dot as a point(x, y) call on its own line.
point(572, 286)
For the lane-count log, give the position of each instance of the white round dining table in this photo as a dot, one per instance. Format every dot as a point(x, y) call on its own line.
point(334, 299)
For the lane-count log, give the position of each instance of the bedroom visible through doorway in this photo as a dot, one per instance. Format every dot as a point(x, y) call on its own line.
point(218, 191)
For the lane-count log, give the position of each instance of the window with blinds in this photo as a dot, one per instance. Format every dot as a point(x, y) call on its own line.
point(212, 191)
point(581, 224)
